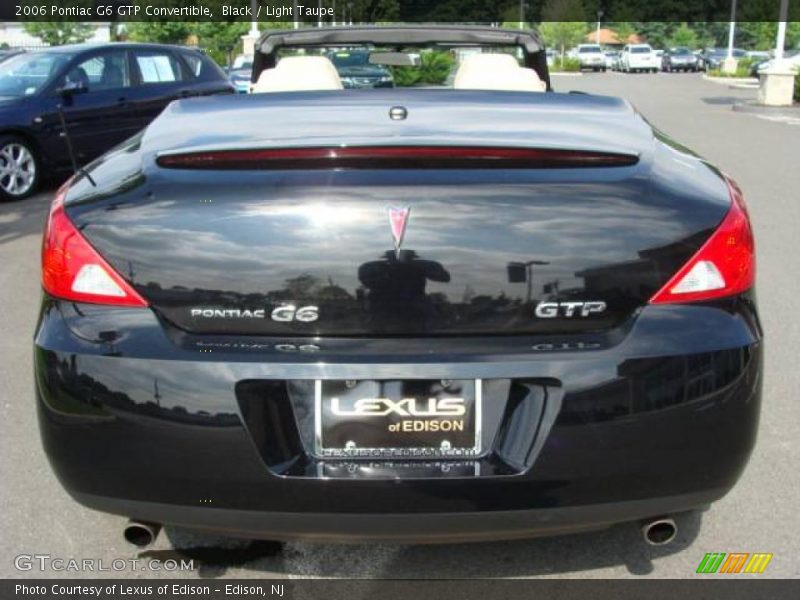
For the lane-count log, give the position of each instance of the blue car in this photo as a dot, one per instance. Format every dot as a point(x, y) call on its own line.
point(240, 78)
point(108, 92)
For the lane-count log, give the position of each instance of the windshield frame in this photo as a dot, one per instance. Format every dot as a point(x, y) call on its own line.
point(61, 60)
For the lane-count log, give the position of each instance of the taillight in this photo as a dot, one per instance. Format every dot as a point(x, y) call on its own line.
point(73, 270)
point(724, 265)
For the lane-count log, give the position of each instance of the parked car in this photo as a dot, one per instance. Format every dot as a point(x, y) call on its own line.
point(611, 58)
point(242, 61)
point(6, 54)
point(356, 71)
point(712, 58)
point(108, 93)
point(255, 321)
point(757, 55)
point(790, 59)
point(240, 78)
point(679, 59)
point(591, 57)
point(638, 58)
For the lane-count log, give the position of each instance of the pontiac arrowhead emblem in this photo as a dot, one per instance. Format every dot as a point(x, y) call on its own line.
point(398, 219)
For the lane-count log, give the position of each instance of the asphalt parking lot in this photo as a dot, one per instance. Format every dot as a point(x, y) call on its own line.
point(759, 515)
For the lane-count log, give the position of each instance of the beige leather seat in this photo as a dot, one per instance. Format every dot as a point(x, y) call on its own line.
point(299, 74)
point(496, 72)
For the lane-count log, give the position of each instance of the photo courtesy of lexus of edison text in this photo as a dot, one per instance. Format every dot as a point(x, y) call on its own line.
point(364, 294)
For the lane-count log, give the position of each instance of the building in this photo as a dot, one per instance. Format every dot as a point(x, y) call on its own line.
point(609, 38)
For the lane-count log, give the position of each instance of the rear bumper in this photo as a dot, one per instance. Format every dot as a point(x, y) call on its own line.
point(414, 528)
point(659, 417)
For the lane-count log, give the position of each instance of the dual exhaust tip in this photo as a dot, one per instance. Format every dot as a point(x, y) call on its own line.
point(656, 532)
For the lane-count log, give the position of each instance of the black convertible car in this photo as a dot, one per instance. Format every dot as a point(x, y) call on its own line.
point(485, 312)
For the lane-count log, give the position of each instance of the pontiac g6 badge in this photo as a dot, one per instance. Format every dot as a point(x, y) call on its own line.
point(398, 219)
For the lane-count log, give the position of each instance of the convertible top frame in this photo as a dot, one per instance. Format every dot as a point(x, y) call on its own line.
point(529, 41)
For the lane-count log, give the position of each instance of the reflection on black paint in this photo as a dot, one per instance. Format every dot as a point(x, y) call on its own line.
point(649, 385)
point(395, 290)
point(79, 393)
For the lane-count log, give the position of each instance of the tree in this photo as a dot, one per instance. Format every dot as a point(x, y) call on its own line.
point(657, 33)
point(221, 40)
point(162, 32)
point(623, 30)
point(56, 33)
point(562, 34)
point(459, 11)
point(564, 10)
point(374, 10)
point(435, 67)
point(762, 35)
point(564, 24)
point(710, 34)
point(683, 36)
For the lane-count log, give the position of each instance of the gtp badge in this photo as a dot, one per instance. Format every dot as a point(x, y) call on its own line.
point(398, 219)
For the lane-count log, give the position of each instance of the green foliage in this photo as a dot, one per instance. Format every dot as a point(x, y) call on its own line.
point(406, 76)
point(434, 69)
point(567, 65)
point(515, 25)
point(454, 11)
point(222, 40)
point(564, 10)
point(562, 35)
point(657, 33)
point(161, 32)
point(56, 33)
point(265, 25)
point(623, 30)
point(742, 69)
point(683, 36)
point(564, 23)
point(372, 11)
point(761, 35)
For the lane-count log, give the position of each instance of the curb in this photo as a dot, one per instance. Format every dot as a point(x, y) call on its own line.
point(732, 80)
point(566, 74)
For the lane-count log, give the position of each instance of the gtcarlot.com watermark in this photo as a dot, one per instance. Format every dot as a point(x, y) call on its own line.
point(46, 562)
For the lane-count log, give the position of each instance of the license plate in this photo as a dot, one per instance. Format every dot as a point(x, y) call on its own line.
point(397, 419)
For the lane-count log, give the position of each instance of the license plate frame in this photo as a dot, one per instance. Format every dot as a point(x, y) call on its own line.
point(471, 435)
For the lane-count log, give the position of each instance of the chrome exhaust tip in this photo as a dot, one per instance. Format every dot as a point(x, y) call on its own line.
point(140, 533)
point(658, 532)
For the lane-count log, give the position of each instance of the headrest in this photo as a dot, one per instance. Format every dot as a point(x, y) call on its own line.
point(487, 62)
point(496, 72)
point(299, 74)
